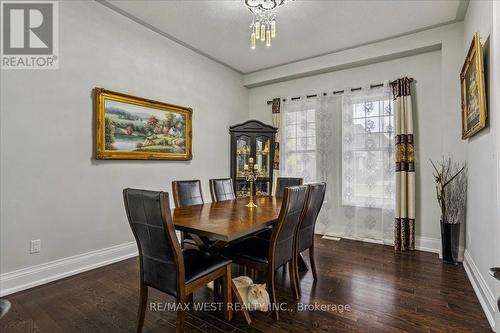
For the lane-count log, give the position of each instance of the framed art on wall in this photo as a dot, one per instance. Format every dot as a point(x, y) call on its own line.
point(134, 128)
point(474, 111)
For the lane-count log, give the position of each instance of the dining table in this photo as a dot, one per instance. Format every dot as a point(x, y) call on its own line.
point(213, 225)
point(226, 221)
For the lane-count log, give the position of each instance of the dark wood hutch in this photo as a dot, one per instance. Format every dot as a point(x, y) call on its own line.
point(252, 139)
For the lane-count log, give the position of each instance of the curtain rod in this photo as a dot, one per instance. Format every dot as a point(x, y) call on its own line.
point(340, 91)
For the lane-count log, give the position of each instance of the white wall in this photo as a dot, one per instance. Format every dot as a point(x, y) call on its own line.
point(482, 158)
point(52, 188)
point(437, 106)
point(496, 90)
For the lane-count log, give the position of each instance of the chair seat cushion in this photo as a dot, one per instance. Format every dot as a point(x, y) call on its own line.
point(250, 248)
point(198, 264)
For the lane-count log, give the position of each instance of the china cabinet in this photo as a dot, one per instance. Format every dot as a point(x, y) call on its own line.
point(252, 141)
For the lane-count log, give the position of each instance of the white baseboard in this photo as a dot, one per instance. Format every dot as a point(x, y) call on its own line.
point(331, 237)
point(483, 292)
point(425, 244)
point(33, 276)
point(428, 244)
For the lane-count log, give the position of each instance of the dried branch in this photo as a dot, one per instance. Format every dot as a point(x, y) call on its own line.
point(451, 189)
point(451, 179)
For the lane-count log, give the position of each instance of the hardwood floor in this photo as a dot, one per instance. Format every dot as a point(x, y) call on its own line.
point(386, 292)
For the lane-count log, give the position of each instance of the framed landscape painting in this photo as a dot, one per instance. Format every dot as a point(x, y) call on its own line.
point(135, 128)
point(473, 91)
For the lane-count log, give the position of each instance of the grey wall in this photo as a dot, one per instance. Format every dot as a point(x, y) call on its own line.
point(496, 89)
point(482, 158)
point(51, 187)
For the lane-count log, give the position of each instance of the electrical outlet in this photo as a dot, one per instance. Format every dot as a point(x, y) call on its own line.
point(35, 246)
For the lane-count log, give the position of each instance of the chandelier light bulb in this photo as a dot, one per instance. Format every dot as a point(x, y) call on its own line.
point(263, 25)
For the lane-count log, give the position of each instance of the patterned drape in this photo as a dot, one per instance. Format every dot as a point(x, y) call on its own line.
point(276, 123)
point(404, 224)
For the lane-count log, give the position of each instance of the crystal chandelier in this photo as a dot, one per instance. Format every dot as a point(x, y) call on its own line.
point(263, 25)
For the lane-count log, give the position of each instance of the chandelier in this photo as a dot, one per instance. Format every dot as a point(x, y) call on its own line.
point(263, 25)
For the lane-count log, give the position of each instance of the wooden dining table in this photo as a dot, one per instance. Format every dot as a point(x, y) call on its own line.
point(213, 225)
point(226, 221)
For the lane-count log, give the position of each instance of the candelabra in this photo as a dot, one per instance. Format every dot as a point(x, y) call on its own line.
point(251, 172)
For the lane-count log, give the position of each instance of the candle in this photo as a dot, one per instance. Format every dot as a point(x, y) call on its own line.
point(250, 160)
point(245, 167)
point(256, 167)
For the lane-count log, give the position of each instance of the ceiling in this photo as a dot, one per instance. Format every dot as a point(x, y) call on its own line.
point(305, 28)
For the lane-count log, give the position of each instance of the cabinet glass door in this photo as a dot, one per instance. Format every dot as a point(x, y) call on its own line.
point(262, 187)
point(242, 189)
point(262, 151)
point(243, 153)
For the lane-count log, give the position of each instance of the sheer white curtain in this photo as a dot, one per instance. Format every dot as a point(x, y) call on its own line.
point(346, 141)
point(311, 147)
point(298, 137)
point(367, 178)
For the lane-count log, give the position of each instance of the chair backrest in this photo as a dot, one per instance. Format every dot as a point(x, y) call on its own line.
point(222, 189)
point(161, 261)
point(283, 182)
point(283, 236)
point(187, 193)
point(313, 204)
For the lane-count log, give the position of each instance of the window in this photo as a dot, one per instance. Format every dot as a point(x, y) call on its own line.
point(364, 150)
point(299, 141)
point(367, 152)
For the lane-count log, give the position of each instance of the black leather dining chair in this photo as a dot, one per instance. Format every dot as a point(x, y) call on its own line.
point(222, 189)
point(305, 231)
point(187, 193)
point(283, 182)
point(269, 255)
point(163, 265)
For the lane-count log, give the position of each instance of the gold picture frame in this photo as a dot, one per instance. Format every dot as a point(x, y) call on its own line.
point(135, 128)
point(474, 111)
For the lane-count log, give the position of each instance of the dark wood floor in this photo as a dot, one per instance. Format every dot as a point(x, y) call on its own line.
point(386, 292)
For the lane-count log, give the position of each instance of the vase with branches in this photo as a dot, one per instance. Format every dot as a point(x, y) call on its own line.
point(451, 192)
